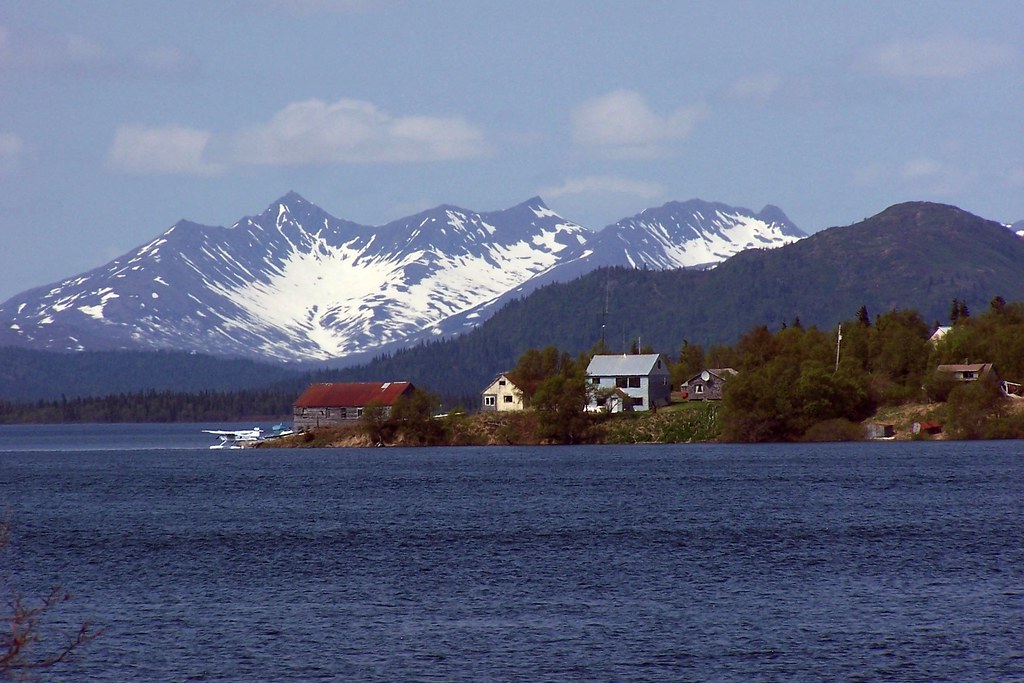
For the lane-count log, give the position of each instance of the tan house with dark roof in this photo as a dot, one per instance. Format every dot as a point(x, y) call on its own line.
point(502, 395)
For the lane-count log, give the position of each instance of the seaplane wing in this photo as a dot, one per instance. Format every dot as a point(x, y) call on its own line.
point(254, 434)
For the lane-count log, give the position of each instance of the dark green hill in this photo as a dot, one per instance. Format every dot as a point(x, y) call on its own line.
point(27, 375)
point(916, 255)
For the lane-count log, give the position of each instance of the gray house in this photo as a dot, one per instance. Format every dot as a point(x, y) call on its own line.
point(707, 384)
point(639, 381)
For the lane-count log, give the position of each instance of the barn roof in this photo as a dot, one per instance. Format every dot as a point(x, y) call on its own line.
point(351, 394)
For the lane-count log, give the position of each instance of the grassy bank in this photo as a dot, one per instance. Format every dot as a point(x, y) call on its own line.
point(678, 423)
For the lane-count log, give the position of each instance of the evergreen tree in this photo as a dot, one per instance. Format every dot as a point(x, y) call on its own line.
point(862, 316)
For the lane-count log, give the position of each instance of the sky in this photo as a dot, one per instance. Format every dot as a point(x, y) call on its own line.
point(118, 118)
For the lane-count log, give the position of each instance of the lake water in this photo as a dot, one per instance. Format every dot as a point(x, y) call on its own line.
point(861, 562)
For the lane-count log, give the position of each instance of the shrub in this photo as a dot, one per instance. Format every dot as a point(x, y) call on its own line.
point(838, 429)
point(972, 406)
point(938, 385)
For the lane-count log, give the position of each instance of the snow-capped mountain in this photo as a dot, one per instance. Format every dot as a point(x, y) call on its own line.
point(295, 283)
point(1018, 228)
point(690, 234)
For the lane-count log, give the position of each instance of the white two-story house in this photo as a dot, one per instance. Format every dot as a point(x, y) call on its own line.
point(634, 382)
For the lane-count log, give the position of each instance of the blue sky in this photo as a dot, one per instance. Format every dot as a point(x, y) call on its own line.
point(120, 117)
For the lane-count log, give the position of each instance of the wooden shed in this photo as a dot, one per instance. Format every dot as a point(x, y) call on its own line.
point(336, 403)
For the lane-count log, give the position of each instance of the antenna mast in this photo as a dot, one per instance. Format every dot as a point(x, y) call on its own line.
point(839, 339)
point(604, 312)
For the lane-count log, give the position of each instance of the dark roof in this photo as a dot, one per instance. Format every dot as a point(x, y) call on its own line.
point(981, 368)
point(351, 394)
point(720, 373)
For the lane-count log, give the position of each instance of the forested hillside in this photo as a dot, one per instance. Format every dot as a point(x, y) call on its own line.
point(916, 255)
point(27, 375)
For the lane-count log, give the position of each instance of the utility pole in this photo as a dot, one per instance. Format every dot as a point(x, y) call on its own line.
point(839, 339)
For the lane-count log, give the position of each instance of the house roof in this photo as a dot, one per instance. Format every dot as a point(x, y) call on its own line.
point(621, 364)
point(720, 373)
point(511, 378)
point(351, 394)
point(979, 368)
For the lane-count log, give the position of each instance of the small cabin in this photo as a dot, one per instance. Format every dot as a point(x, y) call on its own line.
point(707, 385)
point(967, 372)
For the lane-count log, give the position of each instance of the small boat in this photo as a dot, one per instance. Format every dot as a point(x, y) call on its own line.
point(238, 438)
point(280, 430)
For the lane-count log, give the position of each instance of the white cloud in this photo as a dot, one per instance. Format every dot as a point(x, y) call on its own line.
point(758, 87)
point(921, 168)
point(303, 133)
point(622, 125)
point(77, 55)
point(11, 147)
point(921, 177)
point(590, 185)
point(942, 57)
point(168, 149)
point(353, 131)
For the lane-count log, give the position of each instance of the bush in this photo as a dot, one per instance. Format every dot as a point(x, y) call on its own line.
point(971, 407)
point(939, 385)
point(838, 429)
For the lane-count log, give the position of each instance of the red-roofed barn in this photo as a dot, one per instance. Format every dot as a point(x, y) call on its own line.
point(323, 405)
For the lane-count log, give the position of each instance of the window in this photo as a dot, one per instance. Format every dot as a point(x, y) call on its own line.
point(622, 382)
point(595, 380)
point(968, 374)
point(508, 399)
point(638, 401)
point(501, 382)
point(699, 389)
point(489, 400)
point(634, 382)
point(343, 413)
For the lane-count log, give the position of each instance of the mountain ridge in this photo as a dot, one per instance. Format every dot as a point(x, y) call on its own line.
point(293, 283)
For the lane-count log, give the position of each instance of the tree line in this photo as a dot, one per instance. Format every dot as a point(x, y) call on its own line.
point(154, 406)
point(802, 382)
point(795, 382)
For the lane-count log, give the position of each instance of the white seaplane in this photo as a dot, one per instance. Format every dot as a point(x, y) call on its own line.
point(240, 438)
point(235, 438)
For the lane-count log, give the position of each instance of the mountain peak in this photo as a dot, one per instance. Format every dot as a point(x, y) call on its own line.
point(292, 197)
